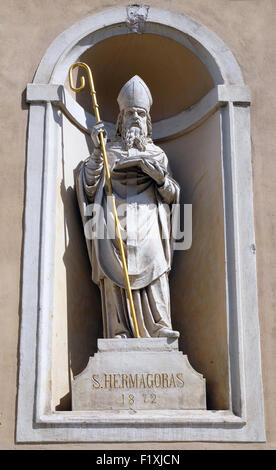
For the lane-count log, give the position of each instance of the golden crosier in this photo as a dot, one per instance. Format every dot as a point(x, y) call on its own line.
point(107, 174)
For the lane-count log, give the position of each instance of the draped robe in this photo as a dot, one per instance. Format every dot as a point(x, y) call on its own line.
point(146, 231)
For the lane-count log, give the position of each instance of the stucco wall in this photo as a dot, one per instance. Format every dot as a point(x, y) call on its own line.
point(28, 28)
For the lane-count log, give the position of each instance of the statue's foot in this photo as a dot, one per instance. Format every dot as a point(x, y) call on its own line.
point(123, 335)
point(167, 333)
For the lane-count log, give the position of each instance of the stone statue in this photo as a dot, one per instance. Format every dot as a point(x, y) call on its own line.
point(142, 184)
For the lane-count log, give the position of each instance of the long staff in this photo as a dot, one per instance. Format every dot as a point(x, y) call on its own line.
point(108, 180)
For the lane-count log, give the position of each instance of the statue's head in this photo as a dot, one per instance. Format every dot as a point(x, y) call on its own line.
point(134, 122)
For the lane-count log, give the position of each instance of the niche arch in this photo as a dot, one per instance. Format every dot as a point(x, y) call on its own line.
point(224, 109)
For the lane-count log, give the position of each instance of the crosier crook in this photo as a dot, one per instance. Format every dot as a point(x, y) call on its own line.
point(108, 180)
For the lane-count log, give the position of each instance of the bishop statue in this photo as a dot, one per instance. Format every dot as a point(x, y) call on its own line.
point(143, 186)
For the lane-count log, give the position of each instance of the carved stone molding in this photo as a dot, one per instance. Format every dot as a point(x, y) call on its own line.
point(162, 130)
point(136, 17)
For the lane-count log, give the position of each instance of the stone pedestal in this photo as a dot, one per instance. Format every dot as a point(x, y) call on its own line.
point(138, 374)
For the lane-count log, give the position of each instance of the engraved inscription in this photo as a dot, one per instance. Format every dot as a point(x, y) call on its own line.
point(131, 400)
point(149, 398)
point(112, 381)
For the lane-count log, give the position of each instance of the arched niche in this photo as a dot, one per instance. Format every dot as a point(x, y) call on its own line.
point(198, 277)
point(202, 123)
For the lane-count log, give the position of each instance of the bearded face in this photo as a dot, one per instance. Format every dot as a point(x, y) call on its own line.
point(135, 128)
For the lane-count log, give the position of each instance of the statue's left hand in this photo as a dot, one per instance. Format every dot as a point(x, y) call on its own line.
point(153, 169)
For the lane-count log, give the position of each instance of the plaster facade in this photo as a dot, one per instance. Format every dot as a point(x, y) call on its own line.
point(254, 54)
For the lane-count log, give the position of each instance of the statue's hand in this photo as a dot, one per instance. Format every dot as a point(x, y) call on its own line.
point(154, 170)
point(95, 134)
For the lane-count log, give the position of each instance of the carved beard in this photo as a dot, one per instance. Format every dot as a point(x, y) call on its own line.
point(134, 137)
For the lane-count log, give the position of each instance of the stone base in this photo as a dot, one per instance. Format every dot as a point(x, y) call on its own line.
point(138, 374)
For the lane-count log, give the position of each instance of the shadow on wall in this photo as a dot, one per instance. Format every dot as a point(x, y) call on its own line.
point(83, 296)
point(146, 55)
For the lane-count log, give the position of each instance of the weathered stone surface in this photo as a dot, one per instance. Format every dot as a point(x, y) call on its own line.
point(138, 374)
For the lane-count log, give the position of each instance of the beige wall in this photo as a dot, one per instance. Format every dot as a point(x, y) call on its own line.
point(28, 28)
